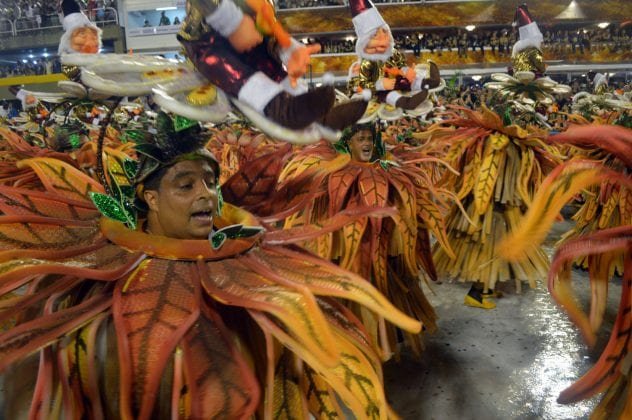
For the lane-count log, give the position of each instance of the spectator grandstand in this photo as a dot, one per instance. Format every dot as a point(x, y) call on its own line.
point(495, 41)
point(32, 15)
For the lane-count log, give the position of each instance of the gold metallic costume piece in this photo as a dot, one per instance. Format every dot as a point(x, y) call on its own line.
point(529, 59)
point(372, 71)
point(71, 72)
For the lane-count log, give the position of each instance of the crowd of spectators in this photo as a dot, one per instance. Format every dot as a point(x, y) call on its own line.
point(35, 14)
point(31, 67)
point(163, 21)
point(297, 4)
point(495, 41)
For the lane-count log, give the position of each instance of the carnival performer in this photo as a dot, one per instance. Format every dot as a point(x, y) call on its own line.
point(602, 105)
point(382, 70)
point(187, 308)
point(322, 181)
point(501, 157)
point(606, 204)
point(237, 144)
point(222, 40)
point(601, 246)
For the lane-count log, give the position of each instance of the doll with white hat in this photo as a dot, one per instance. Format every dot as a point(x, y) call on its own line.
point(382, 70)
point(80, 34)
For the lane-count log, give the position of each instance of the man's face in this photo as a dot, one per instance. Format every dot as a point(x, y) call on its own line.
point(85, 40)
point(379, 43)
point(186, 201)
point(361, 146)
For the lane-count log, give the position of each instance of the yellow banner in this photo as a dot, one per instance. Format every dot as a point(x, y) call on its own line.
point(32, 80)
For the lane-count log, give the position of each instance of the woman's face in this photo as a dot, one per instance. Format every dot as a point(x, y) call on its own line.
point(186, 201)
point(361, 146)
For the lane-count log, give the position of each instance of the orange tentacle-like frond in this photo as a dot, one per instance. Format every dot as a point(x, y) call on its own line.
point(30, 336)
point(240, 282)
point(556, 190)
point(609, 366)
point(611, 138)
point(327, 279)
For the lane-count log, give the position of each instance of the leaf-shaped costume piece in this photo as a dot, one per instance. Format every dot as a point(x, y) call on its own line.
point(500, 168)
point(238, 144)
point(608, 204)
point(163, 327)
point(319, 185)
point(600, 249)
point(611, 373)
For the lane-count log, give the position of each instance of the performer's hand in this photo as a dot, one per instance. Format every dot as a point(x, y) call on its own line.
point(299, 60)
point(389, 84)
point(411, 74)
point(246, 36)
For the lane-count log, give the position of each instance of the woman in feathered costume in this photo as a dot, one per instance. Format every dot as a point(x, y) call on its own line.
point(601, 248)
point(191, 311)
point(321, 182)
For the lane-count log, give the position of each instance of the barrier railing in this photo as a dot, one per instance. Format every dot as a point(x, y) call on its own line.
point(7, 27)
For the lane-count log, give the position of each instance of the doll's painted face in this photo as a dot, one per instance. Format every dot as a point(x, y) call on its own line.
point(379, 43)
point(184, 204)
point(85, 40)
point(361, 146)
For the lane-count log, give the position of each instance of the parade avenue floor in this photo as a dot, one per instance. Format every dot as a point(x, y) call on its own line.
point(506, 363)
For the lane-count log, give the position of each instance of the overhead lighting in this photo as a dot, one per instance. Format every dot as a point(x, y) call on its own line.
point(470, 28)
point(45, 55)
point(573, 11)
point(24, 60)
point(350, 38)
point(603, 25)
point(476, 77)
point(160, 9)
point(30, 55)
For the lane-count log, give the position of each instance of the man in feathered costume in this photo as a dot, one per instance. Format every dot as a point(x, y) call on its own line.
point(189, 311)
point(323, 182)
